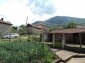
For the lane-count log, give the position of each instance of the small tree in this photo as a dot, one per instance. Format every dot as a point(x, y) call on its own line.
point(23, 29)
point(13, 29)
point(70, 25)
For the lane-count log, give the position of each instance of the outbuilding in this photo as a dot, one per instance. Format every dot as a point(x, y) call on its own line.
point(75, 35)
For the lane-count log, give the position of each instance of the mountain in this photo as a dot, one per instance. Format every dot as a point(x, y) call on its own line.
point(37, 22)
point(61, 20)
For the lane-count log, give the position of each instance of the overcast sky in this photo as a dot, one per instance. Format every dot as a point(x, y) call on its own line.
point(16, 11)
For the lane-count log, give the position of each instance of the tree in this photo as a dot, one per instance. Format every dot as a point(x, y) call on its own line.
point(57, 26)
point(22, 29)
point(70, 25)
point(13, 29)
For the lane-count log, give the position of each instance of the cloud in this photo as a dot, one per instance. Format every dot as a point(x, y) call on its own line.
point(2, 2)
point(41, 7)
point(16, 12)
point(74, 8)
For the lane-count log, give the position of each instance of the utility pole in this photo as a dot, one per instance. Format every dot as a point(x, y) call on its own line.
point(26, 26)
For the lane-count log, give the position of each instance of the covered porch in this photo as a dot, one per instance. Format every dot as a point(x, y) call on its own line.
point(74, 38)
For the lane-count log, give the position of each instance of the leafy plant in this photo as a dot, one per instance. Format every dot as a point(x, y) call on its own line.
point(25, 52)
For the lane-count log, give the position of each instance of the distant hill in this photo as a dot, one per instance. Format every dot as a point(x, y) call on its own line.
point(61, 20)
point(37, 22)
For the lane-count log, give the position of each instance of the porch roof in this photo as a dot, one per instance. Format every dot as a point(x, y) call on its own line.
point(73, 30)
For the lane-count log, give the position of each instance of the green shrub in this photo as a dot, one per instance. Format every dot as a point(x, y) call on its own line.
point(25, 52)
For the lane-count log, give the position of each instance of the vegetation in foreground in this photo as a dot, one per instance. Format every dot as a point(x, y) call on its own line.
point(25, 52)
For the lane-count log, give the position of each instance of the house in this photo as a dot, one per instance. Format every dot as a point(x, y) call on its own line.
point(37, 29)
point(43, 27)
point(4, 26)
point(75, 35)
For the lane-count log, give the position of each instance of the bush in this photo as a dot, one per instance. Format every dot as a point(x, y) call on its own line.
point(25, 52)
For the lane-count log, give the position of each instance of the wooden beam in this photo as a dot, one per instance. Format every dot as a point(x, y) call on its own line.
point(53, 39)
point(80, 40)
point(63, 40)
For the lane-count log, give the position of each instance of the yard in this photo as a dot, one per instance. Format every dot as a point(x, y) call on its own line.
point(25, 52)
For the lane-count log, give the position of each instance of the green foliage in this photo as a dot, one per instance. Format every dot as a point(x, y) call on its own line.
point(55, 27)
point(25, 52)
point(70, 25)
point(52, 28)
point(13, 29)
point(61, 20)
point(22, 30)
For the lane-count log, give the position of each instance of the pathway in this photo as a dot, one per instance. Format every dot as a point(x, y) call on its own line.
point(63, 54)
point(66, 55)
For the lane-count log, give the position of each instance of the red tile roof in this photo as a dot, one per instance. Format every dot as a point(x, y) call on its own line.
point(38, 26)
point(74, 30)
point(30, 25)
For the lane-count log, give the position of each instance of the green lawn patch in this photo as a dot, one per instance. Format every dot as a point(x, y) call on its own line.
point(58, 44)
point(25, 52)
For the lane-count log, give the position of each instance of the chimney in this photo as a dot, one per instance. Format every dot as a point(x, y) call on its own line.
point(2, 19)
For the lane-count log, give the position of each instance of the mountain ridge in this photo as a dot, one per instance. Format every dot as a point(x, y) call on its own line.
point(61, 20)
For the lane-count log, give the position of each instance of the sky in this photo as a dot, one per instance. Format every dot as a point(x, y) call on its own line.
point(16, 11)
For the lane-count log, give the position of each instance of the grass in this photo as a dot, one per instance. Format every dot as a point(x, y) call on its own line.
point(58, 44)
point(22, 39)
point(25, 52)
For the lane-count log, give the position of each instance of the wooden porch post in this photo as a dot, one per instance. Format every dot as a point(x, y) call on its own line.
point(53, 39)
point(63, 40)
point(80, 40)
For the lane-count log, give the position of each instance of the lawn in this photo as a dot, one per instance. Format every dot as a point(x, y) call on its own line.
point(25, 52)
point(58, 44)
